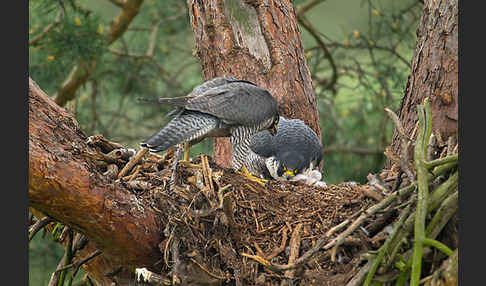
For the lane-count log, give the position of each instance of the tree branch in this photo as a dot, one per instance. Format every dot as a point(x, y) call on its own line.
point(62, 177)
point(81, 72)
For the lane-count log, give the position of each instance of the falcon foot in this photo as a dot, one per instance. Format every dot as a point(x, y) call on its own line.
point(244, 172)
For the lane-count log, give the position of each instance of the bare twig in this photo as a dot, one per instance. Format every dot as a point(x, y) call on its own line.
point(308, 26)
point(404, 141)
point(38, 226)
point(133, 162)
point(294, 249)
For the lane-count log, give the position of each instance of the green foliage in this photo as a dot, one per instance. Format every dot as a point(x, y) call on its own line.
point(372, 59)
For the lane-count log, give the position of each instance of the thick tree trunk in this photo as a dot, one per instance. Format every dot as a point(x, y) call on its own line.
point(65, 185)
point(258, 41)
point(434, 72)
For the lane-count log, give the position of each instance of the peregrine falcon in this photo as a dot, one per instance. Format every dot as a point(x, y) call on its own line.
point(221, 107)
point(294, 153)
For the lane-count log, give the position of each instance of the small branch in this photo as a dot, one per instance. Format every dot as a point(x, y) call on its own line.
point(384, 249)
point(447, 209)
point(153, 37)
point(431, 164)
point(133, 162)
point(38, 226)
point(404, 144)
point(174, 249)
point(303, 8)
point(358, 278)
point(46, 30)
point(294, 249)
point(308, 26)
point(78, 264)
point(151, 277)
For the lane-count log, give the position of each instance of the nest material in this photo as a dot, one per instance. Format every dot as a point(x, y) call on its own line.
point(219, 224)
point(222, 229)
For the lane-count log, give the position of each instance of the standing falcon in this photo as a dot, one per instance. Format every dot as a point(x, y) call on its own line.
point(221, 107)
point(294, 153)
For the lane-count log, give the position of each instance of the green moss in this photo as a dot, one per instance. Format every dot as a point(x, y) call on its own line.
point(239, 14)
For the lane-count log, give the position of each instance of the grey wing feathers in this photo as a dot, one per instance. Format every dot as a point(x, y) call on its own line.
point(186, 126)
point(292, 134)
point(234, 101)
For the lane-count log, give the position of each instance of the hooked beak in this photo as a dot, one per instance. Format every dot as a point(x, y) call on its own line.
point(289, 175)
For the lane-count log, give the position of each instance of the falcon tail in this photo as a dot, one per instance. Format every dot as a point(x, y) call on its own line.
point(188, 126)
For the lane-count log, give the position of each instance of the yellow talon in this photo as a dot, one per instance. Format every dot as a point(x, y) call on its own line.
point(244, 171)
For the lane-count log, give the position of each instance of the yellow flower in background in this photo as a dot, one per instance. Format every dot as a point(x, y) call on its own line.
point(50, 58)
point(346, 43)
point(376, 12)
point(77, 21)
point(308, 54)
point(100, 29)
point(356, 34)
point(395, 27)
point(345, 113)
point(371, 42)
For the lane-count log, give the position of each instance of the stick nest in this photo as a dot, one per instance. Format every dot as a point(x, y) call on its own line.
point(221, 228)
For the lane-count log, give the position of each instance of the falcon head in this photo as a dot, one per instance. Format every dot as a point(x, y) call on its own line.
point(290, 164)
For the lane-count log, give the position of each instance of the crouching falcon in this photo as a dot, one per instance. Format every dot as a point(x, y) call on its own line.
point(294, 153)
point(221, 107)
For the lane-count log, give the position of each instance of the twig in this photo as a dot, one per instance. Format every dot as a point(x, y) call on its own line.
point(175, 166)
point(358, 278)
point(174, 249)
point(307, 25)
point(78, 264)
point(431, 164)
point(153, 37)
point(404, 140)
point(111, 171)
point(151, 277)
point(206, 270)
point(133, 162)
point(448, 207)
point(384, 249)
point(47, 29)
point(38, 226)
point(282, 245)
point(303, 8)
point(294, 249)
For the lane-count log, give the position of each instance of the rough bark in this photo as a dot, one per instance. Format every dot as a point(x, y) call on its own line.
point(434, 72)
point(66, 185)
point(258, 41)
